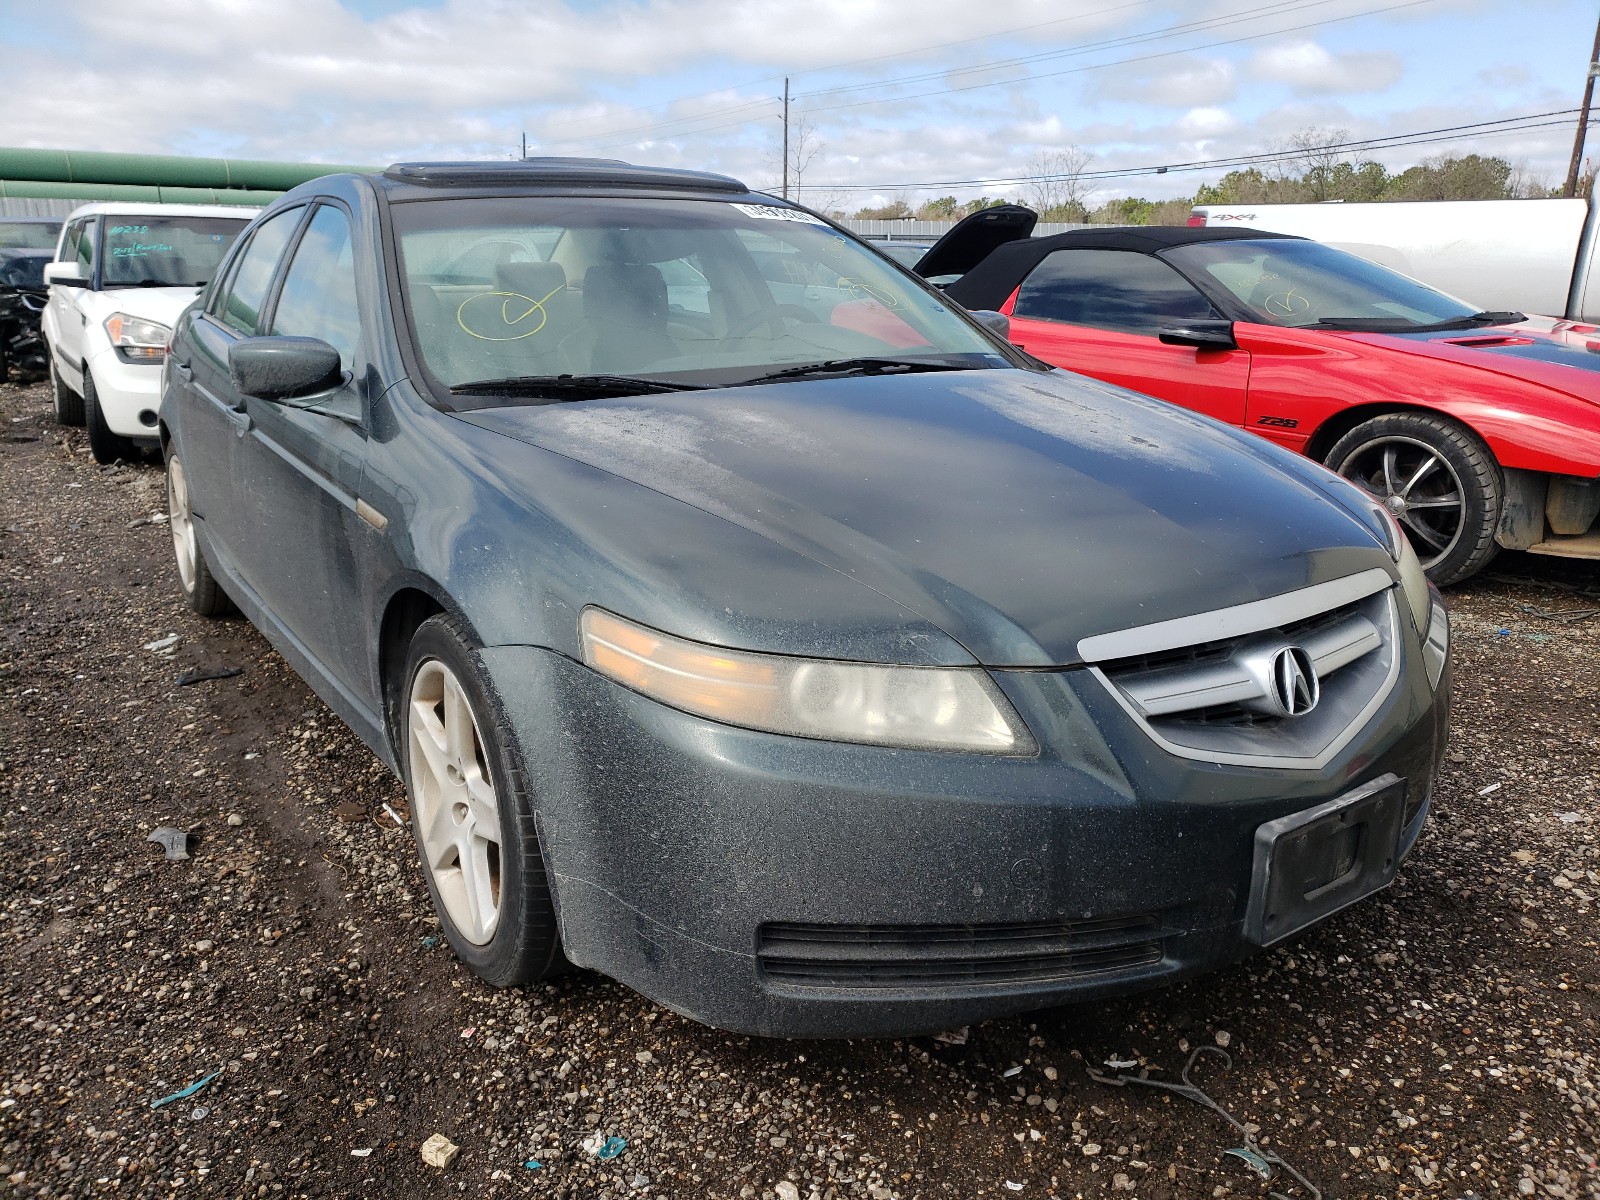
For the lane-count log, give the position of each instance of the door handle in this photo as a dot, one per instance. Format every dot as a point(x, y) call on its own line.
point(182, 370)
point(240, 419)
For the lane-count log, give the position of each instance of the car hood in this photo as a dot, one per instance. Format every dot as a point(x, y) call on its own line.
point(1019, 512)
point(1563, 355)
point(161, 304)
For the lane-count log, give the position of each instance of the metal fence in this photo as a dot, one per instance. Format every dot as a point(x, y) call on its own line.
point(17, 206)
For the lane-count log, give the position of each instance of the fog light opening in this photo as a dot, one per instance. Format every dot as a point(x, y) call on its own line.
point(147, 418)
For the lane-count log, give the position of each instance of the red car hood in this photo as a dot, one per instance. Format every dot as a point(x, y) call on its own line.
point(1561, 355)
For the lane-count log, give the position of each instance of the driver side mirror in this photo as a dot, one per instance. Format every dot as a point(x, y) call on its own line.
point(67, 274)
point(283, 368)
point(996, 323)
point(1202, 335)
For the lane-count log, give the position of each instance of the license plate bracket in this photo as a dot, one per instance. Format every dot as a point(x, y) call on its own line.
point(1309, 865)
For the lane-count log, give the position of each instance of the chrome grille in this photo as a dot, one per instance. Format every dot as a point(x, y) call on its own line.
point(1214, 697)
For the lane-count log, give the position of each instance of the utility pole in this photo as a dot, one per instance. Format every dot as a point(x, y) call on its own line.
point(786, 124)
point(524, 143)
point(1583, 118)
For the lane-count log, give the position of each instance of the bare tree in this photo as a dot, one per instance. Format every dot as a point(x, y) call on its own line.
point(1056, 183)
point(1316, 152)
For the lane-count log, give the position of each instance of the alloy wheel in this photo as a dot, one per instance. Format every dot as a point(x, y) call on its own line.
point(182, 523)
point(456, 808)
point(1417, 486)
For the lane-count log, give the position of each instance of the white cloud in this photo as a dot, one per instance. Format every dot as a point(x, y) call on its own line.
point(1177, 83)
point(1310, 69)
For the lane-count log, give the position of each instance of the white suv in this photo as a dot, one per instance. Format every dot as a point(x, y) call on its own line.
point(123, 273)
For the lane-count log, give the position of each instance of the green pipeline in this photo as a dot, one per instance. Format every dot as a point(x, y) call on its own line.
point(159, 170)
point(26, 189)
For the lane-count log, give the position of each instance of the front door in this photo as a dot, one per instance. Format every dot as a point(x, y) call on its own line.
point(216, 422)
point(307, 549)
point(1098, 312)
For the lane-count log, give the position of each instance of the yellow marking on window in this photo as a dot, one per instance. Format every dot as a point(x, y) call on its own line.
point(534, 306)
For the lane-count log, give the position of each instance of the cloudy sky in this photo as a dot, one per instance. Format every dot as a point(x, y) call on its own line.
point(904, 100)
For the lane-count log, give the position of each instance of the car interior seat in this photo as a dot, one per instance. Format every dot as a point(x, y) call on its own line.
point(624, 325)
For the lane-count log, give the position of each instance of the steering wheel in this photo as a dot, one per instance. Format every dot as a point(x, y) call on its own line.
point(772, 318)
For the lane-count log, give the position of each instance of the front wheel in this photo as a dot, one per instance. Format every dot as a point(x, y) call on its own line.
point(106, 446)
point(472, 815)
point(1437, 479)
point(67, 403)
point(200, 587)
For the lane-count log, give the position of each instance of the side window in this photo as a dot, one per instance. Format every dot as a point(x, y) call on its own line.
point(1110, 289)
point(83, 251)
point(318, 298)
point(69, 242)
point(247, 290)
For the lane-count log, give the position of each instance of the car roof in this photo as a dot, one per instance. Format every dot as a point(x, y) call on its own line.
point(115, 208)
point(551, 172)
point(991, 282)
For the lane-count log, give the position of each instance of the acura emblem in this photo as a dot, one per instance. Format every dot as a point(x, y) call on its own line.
point(1294, 682)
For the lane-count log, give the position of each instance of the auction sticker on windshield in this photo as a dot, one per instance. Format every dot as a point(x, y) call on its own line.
point(771, 212)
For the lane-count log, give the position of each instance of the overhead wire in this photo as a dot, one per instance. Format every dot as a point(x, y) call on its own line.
point(1505, 125)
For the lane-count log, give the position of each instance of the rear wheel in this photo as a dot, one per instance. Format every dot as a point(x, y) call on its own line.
point(67, 403)
point(204, 593)
point(106, 446)
point(472, 816)
point(1437, 479)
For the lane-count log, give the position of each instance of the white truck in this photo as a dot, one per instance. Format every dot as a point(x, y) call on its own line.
point(1532, 256)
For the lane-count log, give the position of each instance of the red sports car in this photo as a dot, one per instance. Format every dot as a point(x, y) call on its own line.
point(1477, 430)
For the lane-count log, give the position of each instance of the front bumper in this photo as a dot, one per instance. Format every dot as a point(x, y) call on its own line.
point(743, 879)
point(129, 394)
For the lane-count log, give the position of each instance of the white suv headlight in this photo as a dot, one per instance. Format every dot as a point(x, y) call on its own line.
point(926, 708)
point(138, 337)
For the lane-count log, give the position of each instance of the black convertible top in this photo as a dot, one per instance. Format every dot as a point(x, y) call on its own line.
point(991, 282)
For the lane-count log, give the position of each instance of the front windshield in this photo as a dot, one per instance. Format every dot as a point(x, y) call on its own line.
point(693, 292)
point(28, 235)
point(1301, 283)
point(165, 251)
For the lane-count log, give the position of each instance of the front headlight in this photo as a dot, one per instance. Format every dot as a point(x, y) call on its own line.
point(925, 708)
point(1427, 612)
point(138, 337)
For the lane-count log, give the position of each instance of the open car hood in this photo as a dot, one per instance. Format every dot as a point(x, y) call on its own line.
point(972, 239)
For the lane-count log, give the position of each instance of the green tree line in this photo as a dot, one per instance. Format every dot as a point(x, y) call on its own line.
point(1313, 174)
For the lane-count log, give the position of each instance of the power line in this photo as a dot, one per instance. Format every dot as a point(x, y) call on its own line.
point(854, 62)
point(1250, 37)
point(1274, 9)
point(1504, 125)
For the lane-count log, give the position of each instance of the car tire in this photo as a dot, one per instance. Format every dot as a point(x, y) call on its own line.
point(1438, 479)
point(106, 446)
point(67, 403)
point(200, 587)
point(472, 814)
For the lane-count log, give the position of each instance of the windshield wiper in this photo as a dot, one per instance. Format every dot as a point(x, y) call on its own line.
point(563, 387)
point(861, 366)
point(1401, 325)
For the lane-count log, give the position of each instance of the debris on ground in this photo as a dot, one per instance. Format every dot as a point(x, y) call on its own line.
point(953, 1037)
point(185, 1093)
point(439, 1151)
point(206, 674)
point(174, 841)
point(164, 645)
point(603, 1147)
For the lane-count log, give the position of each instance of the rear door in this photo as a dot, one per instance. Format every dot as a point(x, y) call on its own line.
point(1098, 312)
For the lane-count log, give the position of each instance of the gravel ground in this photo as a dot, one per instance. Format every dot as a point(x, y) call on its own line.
point(1441, 1040)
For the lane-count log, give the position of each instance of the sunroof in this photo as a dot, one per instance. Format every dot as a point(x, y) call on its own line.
point(609, 172)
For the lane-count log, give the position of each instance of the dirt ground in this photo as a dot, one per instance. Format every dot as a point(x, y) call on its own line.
point(1441, 1040)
